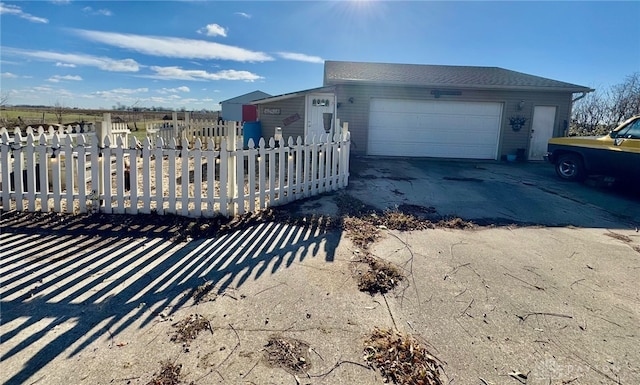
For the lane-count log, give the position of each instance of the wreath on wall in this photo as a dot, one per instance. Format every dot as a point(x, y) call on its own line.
point(517, 122)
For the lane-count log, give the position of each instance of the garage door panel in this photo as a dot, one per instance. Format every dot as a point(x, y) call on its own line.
point(414, 149)
point(434, 128)
point(452, 136)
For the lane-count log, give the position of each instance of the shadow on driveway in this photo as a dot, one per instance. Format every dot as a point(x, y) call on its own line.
point(102, 284)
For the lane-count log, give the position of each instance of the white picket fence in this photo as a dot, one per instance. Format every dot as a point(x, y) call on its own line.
point(194, 129)
point(41, 175)
point(113, 131)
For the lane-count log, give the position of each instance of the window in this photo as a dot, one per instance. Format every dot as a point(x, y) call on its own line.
point(632, 131)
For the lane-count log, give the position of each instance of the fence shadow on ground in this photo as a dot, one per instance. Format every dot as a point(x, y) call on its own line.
point(99, 279)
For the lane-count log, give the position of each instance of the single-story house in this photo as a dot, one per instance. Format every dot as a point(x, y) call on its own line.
point(428, 110)
point(239, 108)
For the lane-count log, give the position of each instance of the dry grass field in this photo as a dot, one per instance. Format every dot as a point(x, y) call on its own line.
point(11, 117)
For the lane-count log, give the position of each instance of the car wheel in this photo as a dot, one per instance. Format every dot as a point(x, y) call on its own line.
point(570, 168)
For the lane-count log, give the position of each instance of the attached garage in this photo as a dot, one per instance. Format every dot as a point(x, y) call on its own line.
point(440, 111)
point(434, 128)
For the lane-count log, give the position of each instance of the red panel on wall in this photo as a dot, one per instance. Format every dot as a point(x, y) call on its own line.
point(249, 113)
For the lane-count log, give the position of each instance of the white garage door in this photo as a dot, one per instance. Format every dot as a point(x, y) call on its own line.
point(434, 128)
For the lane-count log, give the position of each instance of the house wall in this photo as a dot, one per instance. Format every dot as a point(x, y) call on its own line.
point(289, 109)
point(354, 100)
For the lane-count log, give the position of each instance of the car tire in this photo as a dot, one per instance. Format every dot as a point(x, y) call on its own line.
point(570, 167)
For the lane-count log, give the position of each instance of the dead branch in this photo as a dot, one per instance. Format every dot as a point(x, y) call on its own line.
point(413, 279)
point(390, 314)
point(525, 282)
point(234, 348)
point(467, 308)
point(524, 317)
point(250, 370)
point(338, 365)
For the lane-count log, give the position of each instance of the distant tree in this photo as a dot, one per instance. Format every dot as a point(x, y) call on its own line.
point(599, 112)
point(625, 99)
point(4, 99)
point(58, 110)
point(590, 115)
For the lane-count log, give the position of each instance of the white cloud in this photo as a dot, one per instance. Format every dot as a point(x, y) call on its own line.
point(104, 63)
point(9, 75)
point(61, 2)
point(175, 47)
point(100, 12)
point(58, 78)
point(245, 15)
point(10, 9)
point(301, 57)
point(70, 65)
point(213, 30)
point(104, 12)
point(118, 93)
point(181, 74)
point(174, 90)
point(42, 89)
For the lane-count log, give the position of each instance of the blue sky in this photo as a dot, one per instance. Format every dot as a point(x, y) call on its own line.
point(194, 54)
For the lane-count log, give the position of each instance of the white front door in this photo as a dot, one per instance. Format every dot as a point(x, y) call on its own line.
point(544, 118)
point(317, 106)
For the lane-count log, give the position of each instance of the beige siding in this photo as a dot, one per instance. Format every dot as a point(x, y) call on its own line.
point(356, 111)
point(353, 107)
point(288, 108)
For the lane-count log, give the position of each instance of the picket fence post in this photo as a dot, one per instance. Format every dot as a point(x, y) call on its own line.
point(43, 160)
point(211, 177)
point(184, 192)
point(239, 179)
point(6, 152)
point(158, 154)
point(262, 181)
point(197, 178)
point(82, 177)
point(55, 173)
point(251, 164)
point(224, 178)
point(30, 174)
point(232, 155)
point(298, 157)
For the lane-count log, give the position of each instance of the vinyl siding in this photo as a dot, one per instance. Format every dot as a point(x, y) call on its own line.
point(288, 108)
point(357, 111)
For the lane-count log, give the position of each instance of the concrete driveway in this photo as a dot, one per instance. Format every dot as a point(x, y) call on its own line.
point(491, 192)
point(555, 303)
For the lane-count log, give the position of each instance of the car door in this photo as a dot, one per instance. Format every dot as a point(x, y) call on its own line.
point(627, 140)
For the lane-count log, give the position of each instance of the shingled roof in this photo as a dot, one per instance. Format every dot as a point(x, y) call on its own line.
point(419, 75)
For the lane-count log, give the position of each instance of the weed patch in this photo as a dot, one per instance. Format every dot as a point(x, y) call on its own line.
point(204, 293)
point(170, 374)
point(289, 354)
point(361, 231)
point(380, 276)
point(401, 359)
point(189, 328)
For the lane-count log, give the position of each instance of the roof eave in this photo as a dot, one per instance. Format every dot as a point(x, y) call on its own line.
point(291, 95)
point(465, 86)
